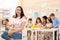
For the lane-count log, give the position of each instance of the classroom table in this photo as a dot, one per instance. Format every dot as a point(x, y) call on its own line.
point(53, 30)
point(24, 32)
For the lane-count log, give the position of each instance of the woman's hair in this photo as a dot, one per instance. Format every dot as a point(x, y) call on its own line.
point(38, 18)
point(49, 19)
point(22, 13)
point(45, 17)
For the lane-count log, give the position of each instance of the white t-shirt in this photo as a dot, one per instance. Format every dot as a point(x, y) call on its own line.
point(17, 22)
point(49, 24)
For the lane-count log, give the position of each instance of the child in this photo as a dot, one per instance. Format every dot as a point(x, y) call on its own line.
point(44, 21)
point(54, 20)
point(49, 23)
point(29, 23)
point(5, 23)
point(38, 22)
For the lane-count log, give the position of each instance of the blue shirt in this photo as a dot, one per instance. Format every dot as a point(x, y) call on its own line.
point(55, 23)
point(29, 25)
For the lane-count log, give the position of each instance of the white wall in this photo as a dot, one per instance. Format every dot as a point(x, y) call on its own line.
point(9, 4)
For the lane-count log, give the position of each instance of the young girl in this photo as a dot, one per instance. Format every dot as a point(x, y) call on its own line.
point(44, 21)
point(38, 22)
point(49, 23)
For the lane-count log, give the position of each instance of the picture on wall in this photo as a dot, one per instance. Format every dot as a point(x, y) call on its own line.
point(35, 14)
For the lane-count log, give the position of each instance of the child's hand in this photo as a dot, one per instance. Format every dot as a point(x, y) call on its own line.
point(11, 28)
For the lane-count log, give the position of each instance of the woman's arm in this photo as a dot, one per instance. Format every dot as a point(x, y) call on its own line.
point(21, 27)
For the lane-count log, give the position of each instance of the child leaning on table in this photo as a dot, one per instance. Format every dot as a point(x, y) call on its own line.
point(38, 22)
point(29, 23)
point(49, 23)
point(44, 21)
point(5, 23)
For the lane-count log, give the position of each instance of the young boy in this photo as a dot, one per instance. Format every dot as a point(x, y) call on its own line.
point(29, 23)
point(55, 22)
point(5, 23)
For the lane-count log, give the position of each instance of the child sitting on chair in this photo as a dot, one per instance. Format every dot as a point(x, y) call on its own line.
point(5, 23)
point(49, 23)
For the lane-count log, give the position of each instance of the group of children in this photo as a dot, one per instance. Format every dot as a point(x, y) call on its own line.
point(45, 22)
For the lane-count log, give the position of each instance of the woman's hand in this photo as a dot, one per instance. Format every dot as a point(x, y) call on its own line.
point(10, 32)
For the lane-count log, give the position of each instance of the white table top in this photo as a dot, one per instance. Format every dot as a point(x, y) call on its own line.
point(41, 29)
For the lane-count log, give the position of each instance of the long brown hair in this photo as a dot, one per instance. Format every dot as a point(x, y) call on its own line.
point(38, 19)
point(22, 13)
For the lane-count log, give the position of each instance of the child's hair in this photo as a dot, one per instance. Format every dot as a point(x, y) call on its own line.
point(4, 20)
point(30, 19)
point(45, 17)
point(52, 14)
point(49, 19)
point(38, 19)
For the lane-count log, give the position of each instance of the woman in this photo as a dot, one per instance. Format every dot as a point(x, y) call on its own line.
point(18, 25)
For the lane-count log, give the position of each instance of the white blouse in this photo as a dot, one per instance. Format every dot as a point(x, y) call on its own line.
point(17, 22)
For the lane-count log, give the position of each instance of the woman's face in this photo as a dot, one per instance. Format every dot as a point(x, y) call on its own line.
point(18, 11)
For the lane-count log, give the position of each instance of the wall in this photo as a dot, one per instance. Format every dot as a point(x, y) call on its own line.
point(43, 7)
